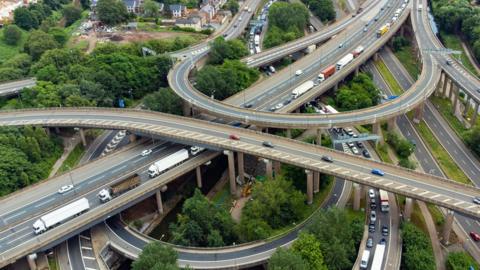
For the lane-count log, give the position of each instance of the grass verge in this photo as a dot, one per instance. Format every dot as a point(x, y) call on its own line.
point(9, 51)
point(73, 158)
point(388, 77)
point(448, 166)
point(52, 264)
point(454, 42)
point(405, 56)
point(446, 110)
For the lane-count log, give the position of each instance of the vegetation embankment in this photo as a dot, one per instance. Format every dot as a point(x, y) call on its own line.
point(323, 9)
point(417, 252)
point(358, 93)
point(286, 22)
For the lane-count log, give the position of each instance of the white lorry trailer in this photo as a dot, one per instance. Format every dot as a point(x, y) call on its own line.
point(301, 89)
point(60, 215)
point(344, 61)
point(167, 162)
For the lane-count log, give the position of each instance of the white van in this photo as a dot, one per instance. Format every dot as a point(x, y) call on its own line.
point(365, 259)
point(299, 72)
point(420, 6)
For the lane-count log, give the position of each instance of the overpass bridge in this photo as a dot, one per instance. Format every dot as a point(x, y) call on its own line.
point(12, 88)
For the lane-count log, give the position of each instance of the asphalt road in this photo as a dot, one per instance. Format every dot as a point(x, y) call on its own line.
point(12, 88)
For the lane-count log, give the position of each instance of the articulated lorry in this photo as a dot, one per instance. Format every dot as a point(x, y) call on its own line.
point(384, 201)
point(344, 61)
point(166, 163)
point(58, 216)
point(302, 89)
point(118, 188)
point(329, 71)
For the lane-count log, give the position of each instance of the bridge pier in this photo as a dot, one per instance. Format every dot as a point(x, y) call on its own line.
point(335, 87)
point(456, 97)
point(316, 182)
point(277, 166)
point(447, 227)
point(375, 56)
point(357, 192)
point(82, 137)
point(31, 261)
point(356, 71)
point(377, 130)
point(450, 92)
point(268, 168)
point(231, 171)
point(309, 186)
point(408, 208)
point(187, 108)
point(418, 115)
point(289, 133)
point(132, 137)
point(438, 91)
point(467, 106)
point(319, 136)
point(475, 114)
point(391, 123)
point(198, 172)
point(445, 84)
point(158, 196)
point(241, 167)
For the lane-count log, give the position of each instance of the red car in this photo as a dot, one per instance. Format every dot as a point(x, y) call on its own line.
point(475, 236)
point(234, 137)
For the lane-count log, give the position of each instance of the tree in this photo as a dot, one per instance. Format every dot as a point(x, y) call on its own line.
point(323, 9)
point(59, 35)
point(156, 256)
point(39, 42)
point(151, 8)
point(20, 61)
point(418, 253)
point(221, 50)
point(25, 19)
point(12, 34)
point(71, 14)
point(112, 12)
point(460, 261)
point(286, 22)
point(472, 139)
point(164, 100)
point(85, 4)
point(10, 74)
point(233, 6)
point(308, 247)
point(284, 259)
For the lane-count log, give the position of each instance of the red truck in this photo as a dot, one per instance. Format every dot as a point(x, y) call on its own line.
point(326, 73)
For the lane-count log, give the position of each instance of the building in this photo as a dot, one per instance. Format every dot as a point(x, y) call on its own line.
point(191, 22)
point(178, 10)
point(209, 12)
point(134, 6)
point(8, 6)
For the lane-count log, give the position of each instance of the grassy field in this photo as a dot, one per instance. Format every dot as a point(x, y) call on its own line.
point(448, 166)
point(453, 42)
point(8, 51)
point(405, 55)
point(388, 77)
point(72, 159)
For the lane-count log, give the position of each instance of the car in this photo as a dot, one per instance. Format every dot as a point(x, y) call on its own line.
point(65, 189)
point(146, 152)
point(373, 205)
point(382, 8)
point(378, 172)
point(366, 153)
point(340, 46)
point(267, 144)
point(355, 135)
point(195, 150)
point(327, 159)
point(272, 109)
point(360, 145)
point(478, 90)
point(369, 242)
point(376, 18)
point(373, 216)
point(234, 137)
point(365, 29)
point(235, 26)
point(388, 6)
point(384, 230)
point(225, 35)
point(354, 15)
point(350, 144)
point(382, 241)
point(476, 200)
point(371, 193)
point(355, 150)
point(371, 227)
point(248, 105)
point(279, 106)
point(448, 62)
point(288, 101)
point(298, 72)
point(475, 236)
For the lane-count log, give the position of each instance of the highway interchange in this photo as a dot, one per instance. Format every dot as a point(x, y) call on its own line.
point(110, 120)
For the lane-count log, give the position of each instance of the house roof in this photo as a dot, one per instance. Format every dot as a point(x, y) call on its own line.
point(176, 7)
point(189, 20)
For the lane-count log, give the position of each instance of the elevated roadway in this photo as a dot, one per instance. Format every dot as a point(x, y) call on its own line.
point(13, 87)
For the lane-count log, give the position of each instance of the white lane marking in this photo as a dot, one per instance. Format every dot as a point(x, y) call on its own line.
point(88, 258)
point(400, 187)
point(87, 248)
point(16, 215)
point(84, 237)
point(388, 184)
point(119, 169)
point(19, 237)
point(45, 202)
point(458, 203)
point(435, 196)
point(424, 193)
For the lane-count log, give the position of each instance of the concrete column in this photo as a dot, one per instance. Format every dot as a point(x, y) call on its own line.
point(316, 182)
point(455, 99)
point(356, 71)
point(335, 87)
point(377, 130)
point(467, 106)
point(319, 137)
point(198, 171)
point(289, 133)
point(475, 114)
point(47, 131)
point(309, 186)
point(31, 261)
point(277, 166)
point(440, 84)
point(375, 57)
point(187, 108)
point(418, 114)
point(158, 196)
point(391, 123)
point(297, 110)
point(447, 227)
point(445, 84)
point(231, 171)
point(268, 168)
point(241, 167)
point(402, 31)
point(450, 93)
point(408, 208)
point(57, 130)
point(357, 194)
point(132, 137)
point(82, 136)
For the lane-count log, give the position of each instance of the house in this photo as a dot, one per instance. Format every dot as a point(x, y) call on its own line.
point(178, 10)
point(191, 22)
point(209, 11)
point(134, 6)
point(200, 15)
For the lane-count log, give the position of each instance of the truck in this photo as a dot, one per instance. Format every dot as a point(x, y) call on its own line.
point(310, 49)
point(257, 49)
point(420, 6)
point(118, 188)
point(330, 109)
point(378, 257)
point(358, 51)
point(257, 40)
point(60, 215)
point(385, 207)
point(168, 162)
point(382, 30)
point(324, 74)
point(365, 259)
point(344, 61)
point(302, 89)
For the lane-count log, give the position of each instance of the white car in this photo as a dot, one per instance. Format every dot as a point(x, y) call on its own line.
point(355, 150)
point(373, 216)
point(146, 152)
point(65, 189)
point(371, 193)
point(298, 72)
point(279, 106)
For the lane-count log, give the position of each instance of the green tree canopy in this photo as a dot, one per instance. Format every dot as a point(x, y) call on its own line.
point(233, 6)
point(71, 14)
point(417, 250)
point(112, 12)
point(284, 259)
point(39, 42)
point(156, 256)
point(460, 261)
point(323, 9)
point(221, 50)
point(308, 247)
point(25, 19)
point(164, 100)
point(12, 34)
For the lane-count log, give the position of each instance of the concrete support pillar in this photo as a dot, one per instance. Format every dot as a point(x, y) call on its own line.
point(418, 114)
point(187, 108)
point(158, 196)
point(47, 131)
point(268, 168)
point(438, 90)
point(82, 136)
point(467, 106)
point(316, 182)
point(450, 93)
point(447, 227)
point(297, 110)
point(309, 186)
point(289, 133)
point(57, 130)
point(408, 208)
point(335, 87)
point(474, 115)
point(231, 171)
point(31, 261)
point(356, 71)
point(241, 167)
point(377, 130)
point(319, 137)
point(132, 137)
point(402, 31)
point(456, 97)
point(391, 123)
point(277, 166)
point(375, 57)
point(445, 84)
point(357, 194)
point(198, 171)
